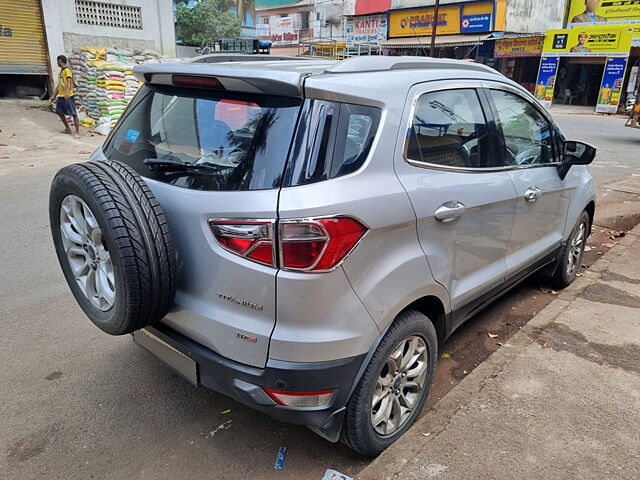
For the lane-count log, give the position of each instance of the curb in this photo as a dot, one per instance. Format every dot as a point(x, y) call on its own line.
point(391, 462)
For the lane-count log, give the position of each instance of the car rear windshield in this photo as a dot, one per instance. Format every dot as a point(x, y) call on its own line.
point(206, 141)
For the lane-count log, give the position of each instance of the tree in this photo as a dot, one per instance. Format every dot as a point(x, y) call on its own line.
point(205, 22)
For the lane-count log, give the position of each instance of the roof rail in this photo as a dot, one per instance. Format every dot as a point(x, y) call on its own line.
point(383, 63)
point(240, 57)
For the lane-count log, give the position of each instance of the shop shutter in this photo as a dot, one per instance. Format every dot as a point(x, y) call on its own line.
point(22, 46)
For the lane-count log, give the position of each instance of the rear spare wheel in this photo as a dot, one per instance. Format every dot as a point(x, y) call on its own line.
point(113, 244)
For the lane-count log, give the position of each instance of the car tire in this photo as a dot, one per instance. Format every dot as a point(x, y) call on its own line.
point(570, 257)
point(367, 404)
point(113, 244)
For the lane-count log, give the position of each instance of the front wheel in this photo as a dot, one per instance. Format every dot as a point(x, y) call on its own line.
point(570, 257)
point(394, 387)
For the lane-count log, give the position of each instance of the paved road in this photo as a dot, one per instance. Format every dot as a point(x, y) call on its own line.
point(78, 404)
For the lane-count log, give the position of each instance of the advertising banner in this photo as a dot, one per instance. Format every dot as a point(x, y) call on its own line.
point(603, 11)
point(519, 47)
point(371, 29)
point(282, 32)
point(472, 17)
point(611, 86)
point(589, 42)
point(546, 82)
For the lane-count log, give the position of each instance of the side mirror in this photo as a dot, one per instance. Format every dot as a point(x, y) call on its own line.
point(577, 153)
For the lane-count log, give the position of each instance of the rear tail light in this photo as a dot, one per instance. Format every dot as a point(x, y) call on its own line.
point(249, 239)
point(306, 245)
point(319, 244)
point(300, 399)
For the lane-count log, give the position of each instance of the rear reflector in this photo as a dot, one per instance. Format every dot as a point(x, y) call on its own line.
point(197, 82)
point(300, 399)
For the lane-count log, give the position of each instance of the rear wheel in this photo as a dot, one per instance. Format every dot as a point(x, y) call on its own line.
point(113, 244)
point(394, 387)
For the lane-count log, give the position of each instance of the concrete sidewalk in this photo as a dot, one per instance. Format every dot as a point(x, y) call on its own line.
point(561, 399)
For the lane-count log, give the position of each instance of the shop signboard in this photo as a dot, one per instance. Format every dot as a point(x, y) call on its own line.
point(589, 41)
point(370, 29)
point(475, 23)
point(519, 47)
point(547, 80)
point(283, 32)
point(611, 86)
point(593, 12)
point(472, 17)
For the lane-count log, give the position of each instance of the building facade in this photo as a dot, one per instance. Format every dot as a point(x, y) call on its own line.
point(590, 61)
point(37, 31)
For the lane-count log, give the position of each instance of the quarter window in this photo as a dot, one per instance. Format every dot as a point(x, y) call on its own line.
point(527, 134)
point(449, 129)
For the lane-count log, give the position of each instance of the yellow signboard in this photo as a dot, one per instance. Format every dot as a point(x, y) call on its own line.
point(519, 47)
point(473, 17)
point(589, 42)
point(603, 11)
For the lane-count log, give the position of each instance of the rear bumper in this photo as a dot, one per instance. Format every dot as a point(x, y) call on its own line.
point(244, 383)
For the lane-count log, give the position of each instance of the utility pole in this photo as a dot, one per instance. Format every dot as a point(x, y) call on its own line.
point(434, 27)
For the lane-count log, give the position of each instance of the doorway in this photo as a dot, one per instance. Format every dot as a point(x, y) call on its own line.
point(578, 81)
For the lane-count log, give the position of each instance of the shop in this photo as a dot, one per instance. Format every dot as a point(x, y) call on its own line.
point(518, 58)
point(585, 66)
point(463, 30)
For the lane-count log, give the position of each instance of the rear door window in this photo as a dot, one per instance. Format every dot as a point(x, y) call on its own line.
point(449, 129)
point(220, 141)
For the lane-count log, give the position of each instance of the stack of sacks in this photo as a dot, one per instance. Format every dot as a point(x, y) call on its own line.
point(111, 90)
point(131, 85)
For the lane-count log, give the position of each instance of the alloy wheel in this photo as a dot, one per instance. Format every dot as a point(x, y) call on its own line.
point(576, 247)
point(87, 254)
point(400, 386)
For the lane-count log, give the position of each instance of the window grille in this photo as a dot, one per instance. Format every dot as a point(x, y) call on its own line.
point(104, 14)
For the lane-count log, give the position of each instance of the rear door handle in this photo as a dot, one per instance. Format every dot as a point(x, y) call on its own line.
point(532, 194)
point(450, 211)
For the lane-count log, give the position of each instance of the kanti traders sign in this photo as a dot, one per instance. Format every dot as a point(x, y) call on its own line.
point(370, 29)
point(283, 32)
point(592, 12)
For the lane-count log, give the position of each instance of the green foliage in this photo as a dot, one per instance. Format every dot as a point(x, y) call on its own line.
point(206, 21)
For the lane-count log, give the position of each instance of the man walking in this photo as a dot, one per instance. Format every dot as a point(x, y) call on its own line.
point(66, 104)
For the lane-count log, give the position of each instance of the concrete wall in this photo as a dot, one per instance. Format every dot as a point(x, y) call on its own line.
point(183, 51)
point(531, 16)
point(64, 33)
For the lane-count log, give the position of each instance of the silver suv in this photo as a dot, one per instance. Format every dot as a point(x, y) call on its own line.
point(302, 235)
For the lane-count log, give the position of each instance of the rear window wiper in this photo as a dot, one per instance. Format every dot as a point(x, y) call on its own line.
point(174, 164)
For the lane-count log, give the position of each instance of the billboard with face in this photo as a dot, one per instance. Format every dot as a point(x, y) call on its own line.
point(603, 11)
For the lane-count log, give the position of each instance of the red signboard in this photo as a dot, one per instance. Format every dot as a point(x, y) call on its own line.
point(372, 6)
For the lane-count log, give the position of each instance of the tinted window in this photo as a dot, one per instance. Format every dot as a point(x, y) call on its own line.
point(239, 142)
point(449, 129)
point(527, 135)
point(333, 139)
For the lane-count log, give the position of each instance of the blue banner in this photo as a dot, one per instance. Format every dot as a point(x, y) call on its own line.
point(476, 23)
point(547, 80)
point(611, 86)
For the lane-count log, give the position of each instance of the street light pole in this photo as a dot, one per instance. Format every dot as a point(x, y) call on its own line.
point(434, 27)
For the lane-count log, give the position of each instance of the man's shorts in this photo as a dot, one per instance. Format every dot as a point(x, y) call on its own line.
point(66, 106)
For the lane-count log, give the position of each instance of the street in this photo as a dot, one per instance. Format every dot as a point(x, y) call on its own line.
point(78, 403)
